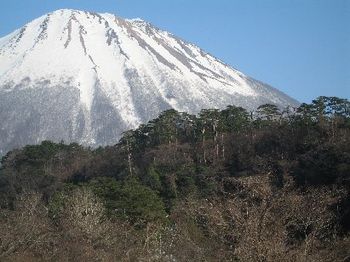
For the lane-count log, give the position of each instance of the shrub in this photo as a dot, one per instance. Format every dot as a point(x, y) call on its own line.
point(130, 200)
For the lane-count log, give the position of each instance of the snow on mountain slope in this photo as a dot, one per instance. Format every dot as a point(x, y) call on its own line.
point(87, 77)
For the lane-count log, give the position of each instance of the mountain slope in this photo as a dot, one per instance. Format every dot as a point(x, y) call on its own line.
point(87, 77)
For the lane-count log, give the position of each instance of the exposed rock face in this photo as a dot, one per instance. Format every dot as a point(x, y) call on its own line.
point(86, 77)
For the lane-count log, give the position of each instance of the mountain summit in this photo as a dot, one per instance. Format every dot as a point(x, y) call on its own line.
point(87, 77)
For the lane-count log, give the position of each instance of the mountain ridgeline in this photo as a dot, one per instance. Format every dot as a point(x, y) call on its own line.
point(87, 77)
point(223, 185)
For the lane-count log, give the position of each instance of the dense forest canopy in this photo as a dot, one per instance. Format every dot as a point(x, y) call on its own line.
point(225, 185)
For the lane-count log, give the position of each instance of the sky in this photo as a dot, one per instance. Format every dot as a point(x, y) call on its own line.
point(301, 47)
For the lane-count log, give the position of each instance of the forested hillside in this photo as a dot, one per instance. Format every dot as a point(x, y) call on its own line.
point(225, 185)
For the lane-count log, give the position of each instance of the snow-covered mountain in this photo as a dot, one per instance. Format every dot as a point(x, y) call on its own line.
point(86, 77)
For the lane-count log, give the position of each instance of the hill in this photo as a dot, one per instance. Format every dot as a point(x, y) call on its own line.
point(224, 185)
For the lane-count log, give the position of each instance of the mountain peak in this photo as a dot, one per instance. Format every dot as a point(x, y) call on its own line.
point(100, 75)
point(137, 20)
point(69, 11)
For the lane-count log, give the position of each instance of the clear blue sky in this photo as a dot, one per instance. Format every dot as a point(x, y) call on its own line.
point(301, 47)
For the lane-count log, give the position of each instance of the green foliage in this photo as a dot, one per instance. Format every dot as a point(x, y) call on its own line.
point(57, 202)
point(205, 181)
point(140, 202)
point(169, 192)
point(56, 205)
point(322, 166)
point(235, 119)
point(152, 179)
point(41, 152)
point(268, 112)
point(129, 200)
point(186, 181)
